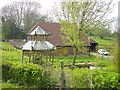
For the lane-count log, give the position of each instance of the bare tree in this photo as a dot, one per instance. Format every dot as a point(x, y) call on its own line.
point(23, 14)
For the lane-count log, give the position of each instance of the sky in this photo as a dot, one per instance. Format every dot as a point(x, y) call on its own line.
point(47, 5)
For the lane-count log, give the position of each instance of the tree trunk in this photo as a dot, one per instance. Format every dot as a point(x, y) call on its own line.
point(75, 54)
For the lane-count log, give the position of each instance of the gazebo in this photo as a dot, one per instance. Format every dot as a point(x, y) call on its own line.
point(37, 46)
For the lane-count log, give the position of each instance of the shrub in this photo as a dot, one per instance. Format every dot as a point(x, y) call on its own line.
point(105, 79)
point(36, 76)
point(85, 78)
point(25, 74)
point(79, 78)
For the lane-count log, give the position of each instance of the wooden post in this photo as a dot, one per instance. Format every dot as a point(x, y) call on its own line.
point(62, 77)
point(46, 59)
point(29, 57)
point(102, 56)
point(32, 57)
point(52, 57)
point(39, 58)
point(22, 57)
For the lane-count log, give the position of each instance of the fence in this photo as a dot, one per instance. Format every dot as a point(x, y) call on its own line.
point(7, 49)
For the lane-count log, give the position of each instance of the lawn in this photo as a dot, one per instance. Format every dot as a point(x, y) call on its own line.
point(16, 56)
point(10, 53)
point(69, 59)
point(6, 45)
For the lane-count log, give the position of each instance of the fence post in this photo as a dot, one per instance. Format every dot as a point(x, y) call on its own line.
point(62, 77)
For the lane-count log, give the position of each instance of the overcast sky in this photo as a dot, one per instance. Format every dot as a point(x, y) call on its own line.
point(47, 5)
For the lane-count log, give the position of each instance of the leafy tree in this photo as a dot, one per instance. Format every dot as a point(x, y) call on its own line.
point(8, 28)
point(75, 17)
point(101, 32)
point(11, 31)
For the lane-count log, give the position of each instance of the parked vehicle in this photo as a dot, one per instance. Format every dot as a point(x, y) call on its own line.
point(103, 51)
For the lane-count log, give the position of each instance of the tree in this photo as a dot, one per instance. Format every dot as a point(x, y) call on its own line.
point(11, 31)
point(24, 14)
point(75, 17)
point(101, 32)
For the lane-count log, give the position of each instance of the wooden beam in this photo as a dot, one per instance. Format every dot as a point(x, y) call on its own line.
point(29, 57)
point(46, 59)
point(33, 58)
point(22, 57)
point(50, 52)
point(52, 57)
point(39, 54)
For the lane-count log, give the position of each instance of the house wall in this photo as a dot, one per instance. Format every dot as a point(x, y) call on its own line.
point(65, 51)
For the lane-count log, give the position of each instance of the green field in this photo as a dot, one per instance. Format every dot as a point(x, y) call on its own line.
point(16, 56)
point(6, 45)
point(106, 42)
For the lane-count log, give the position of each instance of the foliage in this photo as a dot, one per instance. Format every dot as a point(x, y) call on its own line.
point(79, 78)
point(105, 79)
point(10, 30)
point(117, 57)
point(102, 32)
point(25, 74)
point(85, 78)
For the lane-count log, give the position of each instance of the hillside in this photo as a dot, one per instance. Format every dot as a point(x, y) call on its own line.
point(105, 42)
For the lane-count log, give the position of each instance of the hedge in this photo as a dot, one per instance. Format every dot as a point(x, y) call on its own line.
point(34, 75)
point(86, 78)
point(26, 74)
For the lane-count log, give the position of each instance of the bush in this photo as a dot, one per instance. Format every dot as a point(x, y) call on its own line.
point(49, 77)
point(25, 74)
point(105, 79)
point(85, 78)
point(79, 78)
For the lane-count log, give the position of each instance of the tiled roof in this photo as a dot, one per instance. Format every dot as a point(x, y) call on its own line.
point(56, 33)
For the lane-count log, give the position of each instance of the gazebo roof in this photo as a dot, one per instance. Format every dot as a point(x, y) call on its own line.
point(38, 45)
point(38, 31)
